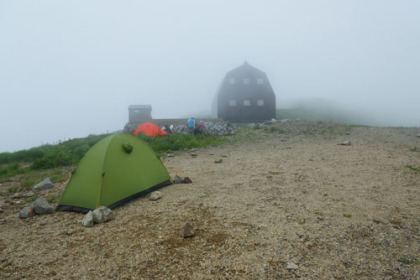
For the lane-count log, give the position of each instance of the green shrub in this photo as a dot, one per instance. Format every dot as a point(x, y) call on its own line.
point(49, 156)
point(413, 168)
point(11, 169)
point(13, 189)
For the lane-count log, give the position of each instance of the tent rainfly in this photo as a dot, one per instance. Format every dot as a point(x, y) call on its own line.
point(117, 169)
point(149, 129)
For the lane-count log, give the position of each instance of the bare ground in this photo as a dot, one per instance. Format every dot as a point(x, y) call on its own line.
point(290, 197)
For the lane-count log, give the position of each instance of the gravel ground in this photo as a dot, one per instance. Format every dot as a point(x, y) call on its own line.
point(285, 202)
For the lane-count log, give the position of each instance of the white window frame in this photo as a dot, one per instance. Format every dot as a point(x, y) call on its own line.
point(260, 102)
point(232, 103)
point(247, 102)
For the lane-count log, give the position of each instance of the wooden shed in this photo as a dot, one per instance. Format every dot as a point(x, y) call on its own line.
point(139, 113)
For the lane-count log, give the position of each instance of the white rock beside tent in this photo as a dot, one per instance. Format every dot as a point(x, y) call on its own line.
point(102, 215)
point(88, 220)
point(98, 216)
point(155, 195)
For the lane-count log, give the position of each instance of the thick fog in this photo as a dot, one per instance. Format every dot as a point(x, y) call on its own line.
point(71, 68)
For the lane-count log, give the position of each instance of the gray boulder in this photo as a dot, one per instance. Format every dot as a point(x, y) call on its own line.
point(41, 206)
point(28, 194)
point(88, 220)
point(26, 213)
point(44, 185)
point(25, 195)
point(16, 195)
point(102, 214)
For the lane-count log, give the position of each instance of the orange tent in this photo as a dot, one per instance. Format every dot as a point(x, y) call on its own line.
point(149, 129)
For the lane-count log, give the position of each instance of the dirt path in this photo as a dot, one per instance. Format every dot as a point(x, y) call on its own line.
point(282, 199)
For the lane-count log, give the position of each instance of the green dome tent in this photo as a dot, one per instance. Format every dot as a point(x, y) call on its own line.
point(114, 171)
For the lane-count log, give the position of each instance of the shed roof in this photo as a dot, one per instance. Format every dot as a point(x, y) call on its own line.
point(140, 107)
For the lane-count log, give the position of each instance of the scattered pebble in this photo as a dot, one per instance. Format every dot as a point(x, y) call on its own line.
point(187, 180)
point(188, 230)
point(155, 196)
point(292, 266)
point(177, 180)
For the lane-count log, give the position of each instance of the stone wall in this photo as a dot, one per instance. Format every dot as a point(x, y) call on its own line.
point(213, 126)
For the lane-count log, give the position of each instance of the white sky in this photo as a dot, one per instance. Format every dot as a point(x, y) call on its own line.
point(70, 68)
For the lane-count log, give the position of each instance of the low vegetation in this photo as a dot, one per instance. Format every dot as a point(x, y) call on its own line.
point(320, 111)
point(413, 168)
point(49, 160)
point(48, 156)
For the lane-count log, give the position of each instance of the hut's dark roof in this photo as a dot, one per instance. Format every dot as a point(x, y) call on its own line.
point(245, 68)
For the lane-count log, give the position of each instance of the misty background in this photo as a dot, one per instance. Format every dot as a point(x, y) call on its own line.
point(71, 68)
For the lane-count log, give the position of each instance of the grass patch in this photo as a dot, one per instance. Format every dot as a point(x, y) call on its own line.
point(13, 189)
point(11, 169)
point(405, 260)
point(413, 168)
point(30, 179)
point(414, 149)
point(52, 199)
point(395, 222)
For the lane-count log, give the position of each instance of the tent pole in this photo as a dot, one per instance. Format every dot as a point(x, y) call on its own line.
point(100, 188)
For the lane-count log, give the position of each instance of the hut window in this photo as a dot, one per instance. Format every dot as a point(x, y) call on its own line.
point(232, 103)
point(232, 81)
point(246, 81)
point(247, 102)
point(260, 81)
point(260, 102)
